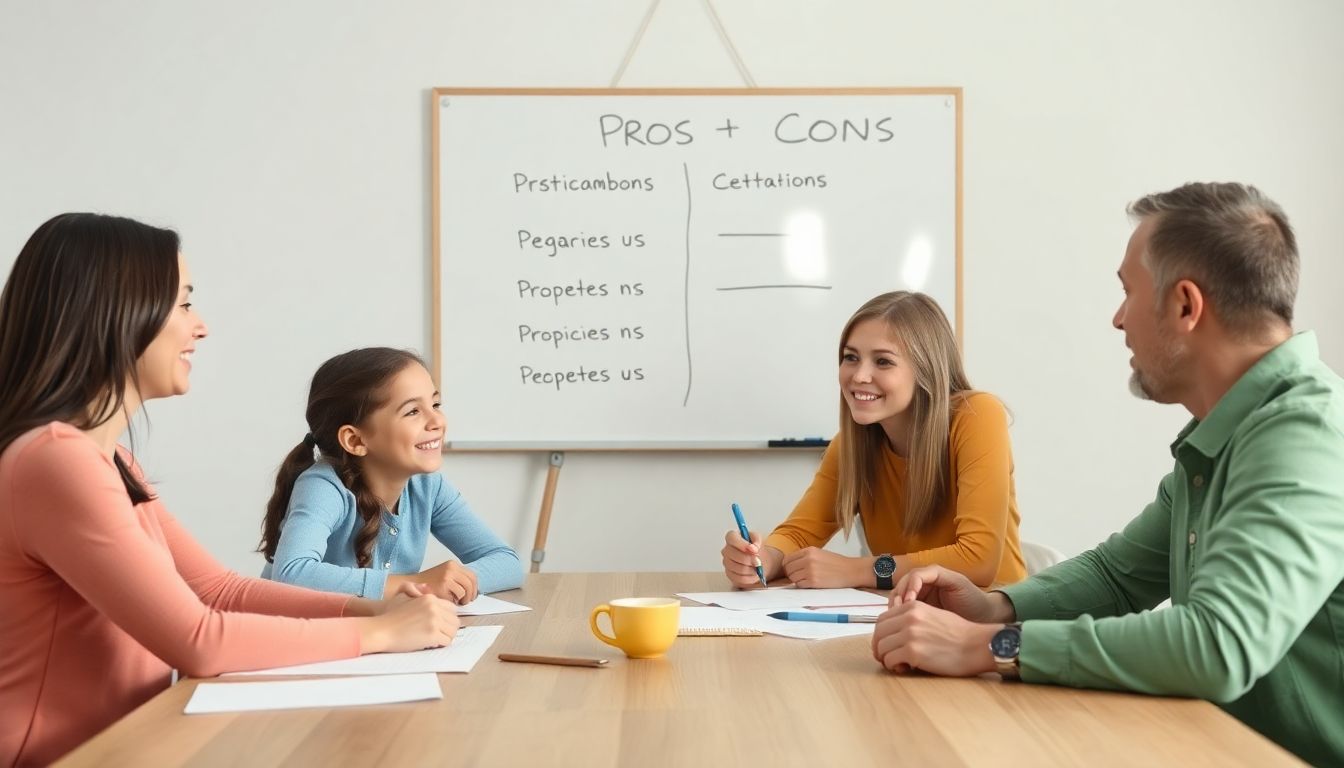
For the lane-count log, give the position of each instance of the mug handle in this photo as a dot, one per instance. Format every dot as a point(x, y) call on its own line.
point(592, 623)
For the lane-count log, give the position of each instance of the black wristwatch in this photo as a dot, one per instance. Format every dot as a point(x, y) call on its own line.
point(884, 567)
point(1006, 645)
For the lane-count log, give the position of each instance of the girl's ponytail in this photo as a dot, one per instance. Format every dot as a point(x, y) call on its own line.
point(296, 461)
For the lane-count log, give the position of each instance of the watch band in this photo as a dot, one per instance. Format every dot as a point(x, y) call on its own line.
point(1008, 669)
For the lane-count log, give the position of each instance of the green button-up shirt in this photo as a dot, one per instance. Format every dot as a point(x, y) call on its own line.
point(1246, 536)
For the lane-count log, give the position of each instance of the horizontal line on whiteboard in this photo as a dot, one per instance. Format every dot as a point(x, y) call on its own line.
point(757, 287)
point(606, 445)
point(753, 234)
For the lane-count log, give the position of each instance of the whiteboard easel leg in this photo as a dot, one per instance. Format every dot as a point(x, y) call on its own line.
point(544, 520)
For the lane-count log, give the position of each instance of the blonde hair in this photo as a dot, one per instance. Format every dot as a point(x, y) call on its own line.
point(918, 323)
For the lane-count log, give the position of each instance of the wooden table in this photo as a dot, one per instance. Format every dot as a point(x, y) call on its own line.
point(741, 701)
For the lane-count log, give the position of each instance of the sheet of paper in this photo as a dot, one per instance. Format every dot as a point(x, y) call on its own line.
point(301, 694)
point(785, 598)
point(808, 630)
point(485, 605)
point(696, 617)
point(461, 655)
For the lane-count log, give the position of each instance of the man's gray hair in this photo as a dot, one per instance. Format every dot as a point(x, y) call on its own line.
point(1230, 240)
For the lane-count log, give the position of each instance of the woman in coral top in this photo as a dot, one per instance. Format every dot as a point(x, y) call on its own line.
point(921, 459)
point(102, 592)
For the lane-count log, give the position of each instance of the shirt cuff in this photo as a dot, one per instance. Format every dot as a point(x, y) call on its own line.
point(1044, 655)
point(375, 582)
point(498, 571)
point(1030, 601)
point(784, 544)
point(485, 581)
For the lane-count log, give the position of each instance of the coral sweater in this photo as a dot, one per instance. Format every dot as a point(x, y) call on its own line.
point(100, 598)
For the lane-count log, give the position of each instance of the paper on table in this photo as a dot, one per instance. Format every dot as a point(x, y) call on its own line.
point(696, 617)
point(485, 605)
point(810, 630)
point(782, 598)
point(461, 655)
point(299, 694)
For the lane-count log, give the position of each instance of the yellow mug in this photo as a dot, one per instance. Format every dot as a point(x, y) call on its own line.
point(644, 627)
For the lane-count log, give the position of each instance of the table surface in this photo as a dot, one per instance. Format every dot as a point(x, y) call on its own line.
point(749, 701)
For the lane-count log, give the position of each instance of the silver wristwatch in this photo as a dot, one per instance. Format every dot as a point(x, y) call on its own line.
point(1006, 645)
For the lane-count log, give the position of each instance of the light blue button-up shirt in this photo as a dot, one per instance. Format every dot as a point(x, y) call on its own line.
point(317, 538)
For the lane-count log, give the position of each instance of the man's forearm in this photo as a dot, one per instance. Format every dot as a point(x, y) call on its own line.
point(1002, 610)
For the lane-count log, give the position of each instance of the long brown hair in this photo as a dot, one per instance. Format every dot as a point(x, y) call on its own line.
point(940, 382)
point(345, 390)
point(86, 296)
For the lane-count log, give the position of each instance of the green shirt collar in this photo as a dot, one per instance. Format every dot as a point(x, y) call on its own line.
point(1210, 435)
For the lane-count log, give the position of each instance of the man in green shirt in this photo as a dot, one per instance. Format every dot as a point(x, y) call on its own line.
point(1246, 535)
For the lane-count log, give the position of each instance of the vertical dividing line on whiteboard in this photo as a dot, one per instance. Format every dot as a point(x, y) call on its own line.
point(686, 288)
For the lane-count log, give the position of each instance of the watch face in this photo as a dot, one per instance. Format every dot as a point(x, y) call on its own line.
point(1006, 643)
point(885, 566)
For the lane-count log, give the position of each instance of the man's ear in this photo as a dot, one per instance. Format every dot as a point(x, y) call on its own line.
point(351, 441)
point(1188, 305)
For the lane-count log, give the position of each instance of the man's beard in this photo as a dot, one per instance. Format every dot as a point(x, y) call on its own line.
point(1156, 383)
point(1136, 386)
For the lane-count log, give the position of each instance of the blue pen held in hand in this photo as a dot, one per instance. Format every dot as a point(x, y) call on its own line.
point(829, 618)
point(746, 536)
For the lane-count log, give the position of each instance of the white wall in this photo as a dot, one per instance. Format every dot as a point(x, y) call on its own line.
point(288, 143)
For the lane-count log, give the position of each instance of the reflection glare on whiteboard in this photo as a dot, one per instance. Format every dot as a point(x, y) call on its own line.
point(804, 247)
point(918, 260)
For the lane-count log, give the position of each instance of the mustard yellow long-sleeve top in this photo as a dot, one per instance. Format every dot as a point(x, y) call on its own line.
point(975, 531)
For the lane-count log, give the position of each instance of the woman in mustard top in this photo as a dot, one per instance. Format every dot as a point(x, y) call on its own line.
point(921, 460)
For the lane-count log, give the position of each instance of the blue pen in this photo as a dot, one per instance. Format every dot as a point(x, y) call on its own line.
point(746, 536)
point(829, 618)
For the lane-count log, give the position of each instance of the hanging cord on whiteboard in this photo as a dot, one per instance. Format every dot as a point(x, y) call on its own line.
point(728, 43)
point(634, 44)
point(718, 27)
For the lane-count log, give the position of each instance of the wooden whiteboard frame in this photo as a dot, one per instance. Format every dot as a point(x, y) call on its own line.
point(436, 257)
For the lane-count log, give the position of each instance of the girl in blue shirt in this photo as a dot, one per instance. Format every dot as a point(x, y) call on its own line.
point(357, 519)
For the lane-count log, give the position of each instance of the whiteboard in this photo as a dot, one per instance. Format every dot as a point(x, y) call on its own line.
point(672, 268)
